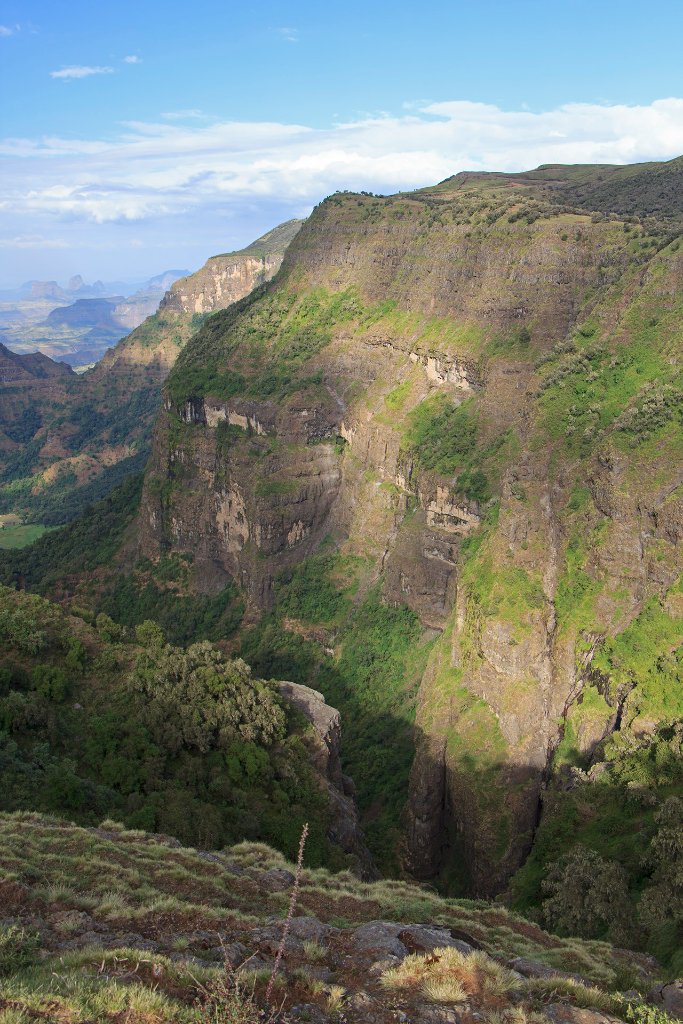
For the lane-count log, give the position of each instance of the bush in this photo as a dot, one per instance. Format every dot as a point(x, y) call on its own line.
point(18, 947)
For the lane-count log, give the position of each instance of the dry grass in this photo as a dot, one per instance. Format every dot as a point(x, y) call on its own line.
point(134, 882)
point(559, 989)
point(449, 976)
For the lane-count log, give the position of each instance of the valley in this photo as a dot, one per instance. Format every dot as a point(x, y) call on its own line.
point(413, 467)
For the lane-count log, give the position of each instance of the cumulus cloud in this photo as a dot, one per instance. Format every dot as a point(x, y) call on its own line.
point(5, 30)
point(132, 59)
point(80, 71)
point(166, 169)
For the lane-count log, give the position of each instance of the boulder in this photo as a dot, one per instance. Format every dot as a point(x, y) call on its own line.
point(669, 998)
point(563, 1013)
point(380, 938)
point(277, 880)
point(418, 938)
point(534, 969)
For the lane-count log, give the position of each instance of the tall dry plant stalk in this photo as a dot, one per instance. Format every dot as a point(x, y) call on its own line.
point(293, 900)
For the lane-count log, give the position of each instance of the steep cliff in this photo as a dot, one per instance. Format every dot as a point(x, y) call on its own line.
point(460, 408)
point(227, 278)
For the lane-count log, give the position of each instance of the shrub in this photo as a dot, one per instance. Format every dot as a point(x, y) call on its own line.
point(18, 947)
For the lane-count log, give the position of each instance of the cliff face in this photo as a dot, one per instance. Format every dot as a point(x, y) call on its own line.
point(226, 279)
point(154, 346)
point(472, 393)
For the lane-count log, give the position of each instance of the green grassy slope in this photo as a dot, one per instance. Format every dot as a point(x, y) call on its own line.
point(112, 924)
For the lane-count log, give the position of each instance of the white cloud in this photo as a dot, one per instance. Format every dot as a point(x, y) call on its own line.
point(5, 30)
point(186, 115)
point(290, 35)
point(80, 71)
point(33, 242)
point(210, 169)
point(132, 59)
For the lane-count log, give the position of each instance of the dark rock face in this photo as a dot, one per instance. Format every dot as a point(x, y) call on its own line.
point(669, 998)
point(236, 524)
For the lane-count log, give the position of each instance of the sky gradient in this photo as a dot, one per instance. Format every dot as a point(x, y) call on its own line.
point(136, 137)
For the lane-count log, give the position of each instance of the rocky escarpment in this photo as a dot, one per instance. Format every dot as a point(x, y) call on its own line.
point(344, 830)
point(472, 393)
point(226, 279)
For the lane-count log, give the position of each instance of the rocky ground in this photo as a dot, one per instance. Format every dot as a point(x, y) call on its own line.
point(113, 925)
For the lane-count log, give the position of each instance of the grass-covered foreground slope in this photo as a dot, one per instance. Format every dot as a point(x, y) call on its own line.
point(111, 924)
point(98, 720)
point(66, 441)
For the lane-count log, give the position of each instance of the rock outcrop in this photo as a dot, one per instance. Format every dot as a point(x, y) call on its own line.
point(344, 829)
point(225, 279)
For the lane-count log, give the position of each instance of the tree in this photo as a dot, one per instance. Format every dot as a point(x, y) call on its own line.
point(587, 896)
point(661, 905)
point(197, 699)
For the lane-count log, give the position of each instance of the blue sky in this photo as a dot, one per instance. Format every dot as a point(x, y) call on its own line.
point(140, 136)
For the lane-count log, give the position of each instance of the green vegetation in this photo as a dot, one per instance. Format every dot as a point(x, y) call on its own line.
point(81, 546)
point(444, 437)
point(177, 740)
point(576, 590)
point(316, 590)
point(87, 424)
point(442, 434)
point(13, 537)
point(374, 684)
point(621, 826)
point(373, 680)
point(268, 339)
point(184, 617)
point(612, 823)
point(648, 656)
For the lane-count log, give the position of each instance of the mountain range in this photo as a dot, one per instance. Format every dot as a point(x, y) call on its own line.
point(77, 323)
